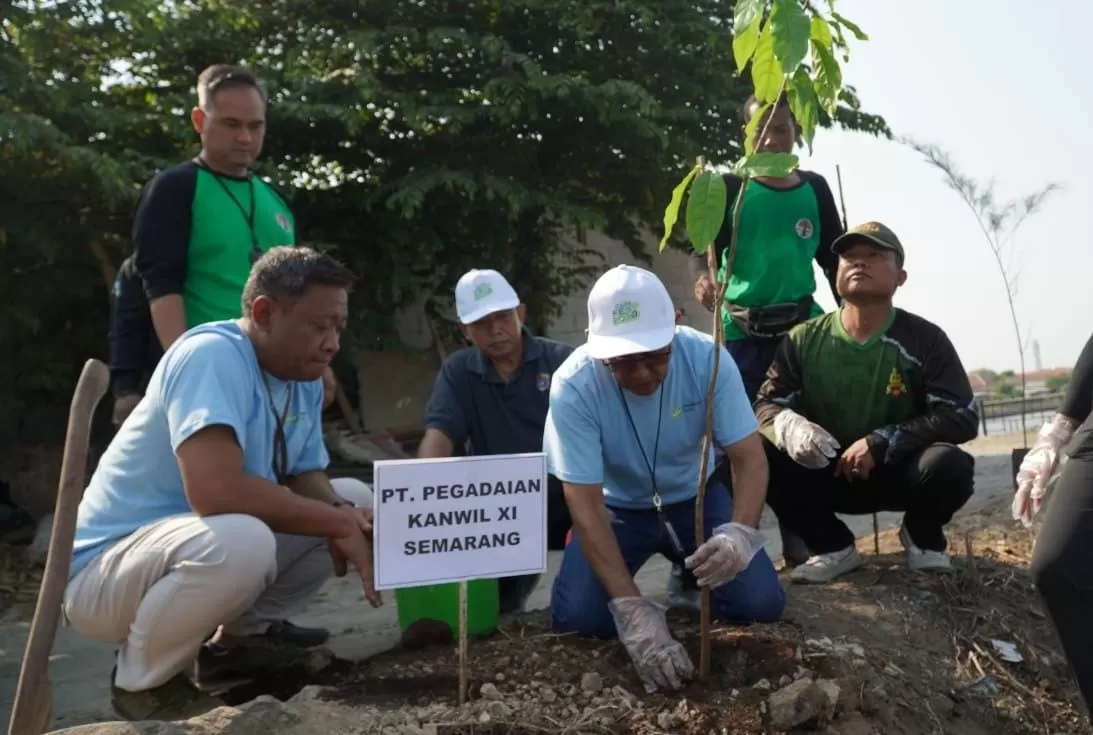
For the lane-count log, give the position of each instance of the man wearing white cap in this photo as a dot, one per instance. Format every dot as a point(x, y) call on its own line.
point(492, 397)
point(624, 435)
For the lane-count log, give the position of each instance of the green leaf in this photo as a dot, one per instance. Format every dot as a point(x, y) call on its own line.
point(774, 165)
point(706, 210)
point(671, 212)
point(751, 130)
point(744, 43)
point(745, 13)
point(790, 28)
point(805, 106)
point(820, 32)
point(827, 79)
point(766, 71)
point(852, 27)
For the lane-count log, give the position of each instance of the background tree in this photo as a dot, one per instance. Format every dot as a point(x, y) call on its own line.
point(416, 140)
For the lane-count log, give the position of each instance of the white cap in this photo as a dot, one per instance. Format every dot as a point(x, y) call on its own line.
point(480, 293)
point(629, 311)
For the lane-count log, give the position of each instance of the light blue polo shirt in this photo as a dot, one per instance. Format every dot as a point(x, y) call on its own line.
point(588, 438)
point(209, 376)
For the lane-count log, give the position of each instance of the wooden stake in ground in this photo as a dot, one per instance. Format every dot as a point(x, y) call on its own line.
point(463, 642)
point(32, 713)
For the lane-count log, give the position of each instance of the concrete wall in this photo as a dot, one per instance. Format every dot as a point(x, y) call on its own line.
point(396, 386)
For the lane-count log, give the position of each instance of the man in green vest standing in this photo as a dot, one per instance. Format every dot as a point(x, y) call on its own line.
point(200, 225)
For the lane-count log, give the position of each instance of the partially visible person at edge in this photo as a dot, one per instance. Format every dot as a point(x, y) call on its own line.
point(785, 224)
point(1061, 557)
point(861, 412)
point(134, 348)
point(211, 509)
point(492, 397)
point(624, 434)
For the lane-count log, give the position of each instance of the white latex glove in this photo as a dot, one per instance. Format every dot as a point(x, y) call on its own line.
point(660, 660)
point(725, 554)
point(807, 444)
point(1036, 470)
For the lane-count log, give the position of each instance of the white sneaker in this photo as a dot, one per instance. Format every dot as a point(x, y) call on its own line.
point(679, 598)
point(923, 560)
point(824, 568)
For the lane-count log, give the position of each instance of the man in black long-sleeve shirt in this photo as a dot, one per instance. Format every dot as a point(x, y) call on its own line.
point(1064, 546)
point(134, 348)
point(862, 410)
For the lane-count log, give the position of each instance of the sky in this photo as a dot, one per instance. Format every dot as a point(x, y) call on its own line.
point(1001, 86)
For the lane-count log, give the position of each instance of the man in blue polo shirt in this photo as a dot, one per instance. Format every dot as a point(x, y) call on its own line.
point(492, 397)
point(624, 435)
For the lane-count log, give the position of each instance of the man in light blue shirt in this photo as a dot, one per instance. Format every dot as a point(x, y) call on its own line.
point(624, 435)
point(211, 509)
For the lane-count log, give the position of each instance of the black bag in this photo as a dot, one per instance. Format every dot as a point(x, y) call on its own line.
point(770, 321)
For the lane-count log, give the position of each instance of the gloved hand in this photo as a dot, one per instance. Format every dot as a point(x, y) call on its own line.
point(725, 554)
point(1036, 469)
point(660, 660)
point(807, 444)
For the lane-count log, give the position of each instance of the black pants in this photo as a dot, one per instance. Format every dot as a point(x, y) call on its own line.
point(1062, 567)
point(514, 591)
point(928, 487)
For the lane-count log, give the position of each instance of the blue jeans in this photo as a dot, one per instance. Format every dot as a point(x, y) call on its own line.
point(578, 601)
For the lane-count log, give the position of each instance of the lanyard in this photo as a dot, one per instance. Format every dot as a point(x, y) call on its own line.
point(669, 530)
point(280, 441)
point(651, 466)
point(248, 214)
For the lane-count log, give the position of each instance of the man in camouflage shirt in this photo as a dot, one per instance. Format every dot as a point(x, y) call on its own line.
point(862, 411)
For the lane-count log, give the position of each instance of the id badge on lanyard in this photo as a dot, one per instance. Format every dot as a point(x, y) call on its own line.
point(667, 527)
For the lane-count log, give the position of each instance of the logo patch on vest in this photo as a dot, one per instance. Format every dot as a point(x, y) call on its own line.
point(804, 228)
point(542, 381)
point(896, 386)
point(282, 220)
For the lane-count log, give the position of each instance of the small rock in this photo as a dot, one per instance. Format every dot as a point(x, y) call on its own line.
point(763, 684)
point(591, 682)
point(491, 692)
point(504, 662)
point(308, 694)
point(734, 693)
point(499, 676)
point(317, 659)
point(666, 721)
point(498, 710)
point(803, 702)
point(548, 695)
point(784, 681)
point(484, 717)
point(802, 673)
point(892, 670)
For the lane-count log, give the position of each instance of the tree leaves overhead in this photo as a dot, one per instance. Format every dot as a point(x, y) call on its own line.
point(416, 139)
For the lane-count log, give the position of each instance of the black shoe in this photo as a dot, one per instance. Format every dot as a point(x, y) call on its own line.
point(285, 632)
point(794, 551)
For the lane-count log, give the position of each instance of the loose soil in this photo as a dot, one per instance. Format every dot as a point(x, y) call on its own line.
point(908, 654)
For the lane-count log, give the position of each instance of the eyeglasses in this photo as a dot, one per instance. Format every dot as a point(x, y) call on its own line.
point(654, 361)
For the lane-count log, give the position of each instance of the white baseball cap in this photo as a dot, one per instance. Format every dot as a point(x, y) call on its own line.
point(629, 311)
point(480, 293)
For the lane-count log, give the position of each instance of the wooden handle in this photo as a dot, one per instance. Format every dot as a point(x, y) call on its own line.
point(32, 712)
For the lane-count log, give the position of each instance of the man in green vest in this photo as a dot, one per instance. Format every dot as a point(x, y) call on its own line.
point(200, 225)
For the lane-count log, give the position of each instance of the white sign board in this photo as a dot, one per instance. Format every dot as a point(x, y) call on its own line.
point(448, 520)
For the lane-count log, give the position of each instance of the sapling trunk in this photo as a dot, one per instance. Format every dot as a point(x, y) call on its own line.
point(720, 284)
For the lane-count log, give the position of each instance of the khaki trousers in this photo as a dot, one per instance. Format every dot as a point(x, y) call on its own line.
point(160, 592)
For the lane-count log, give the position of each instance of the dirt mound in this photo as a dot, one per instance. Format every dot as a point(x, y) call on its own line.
point(884, 651)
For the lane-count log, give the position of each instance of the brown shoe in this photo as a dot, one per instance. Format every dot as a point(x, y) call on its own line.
point(178, 699)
